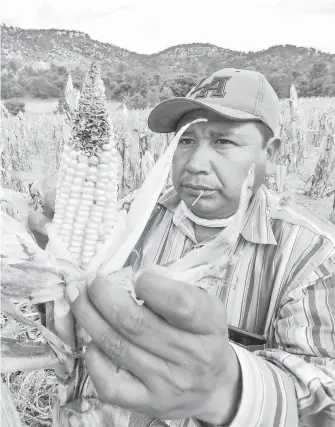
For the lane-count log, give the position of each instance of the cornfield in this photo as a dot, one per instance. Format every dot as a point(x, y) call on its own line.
point(31, 156)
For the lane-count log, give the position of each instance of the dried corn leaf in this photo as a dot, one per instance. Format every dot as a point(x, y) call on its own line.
point(17, 245)
point(63, 351)
point(28, 272)
point(19, 355)
point(31, 282)
point(18, 200)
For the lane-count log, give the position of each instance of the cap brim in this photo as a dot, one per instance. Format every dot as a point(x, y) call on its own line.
point(165, 117)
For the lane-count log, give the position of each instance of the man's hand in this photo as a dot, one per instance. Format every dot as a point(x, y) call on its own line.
point(37, 221)
point(174, 350)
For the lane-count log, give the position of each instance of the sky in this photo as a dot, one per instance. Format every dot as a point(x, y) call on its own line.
point(149, 26)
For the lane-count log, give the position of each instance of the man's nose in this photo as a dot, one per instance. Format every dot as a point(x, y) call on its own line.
point(199, 161)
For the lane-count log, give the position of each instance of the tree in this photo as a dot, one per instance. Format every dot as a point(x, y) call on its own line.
point(166, 93)
point(61, 70)
point(15, 106)
point(42, 88)
point(182, 84)
point(12, 66)
point(137, 101)
point(122, 67)
point(319, 69)
point(140, 83)
point(319, 79)
point(121, 90)
point(11, 88)
point(152, 98)
point(111, 87)
point(62, 107)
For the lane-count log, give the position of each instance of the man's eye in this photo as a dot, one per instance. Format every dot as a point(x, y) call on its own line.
point(186, 141)
point(222, 141)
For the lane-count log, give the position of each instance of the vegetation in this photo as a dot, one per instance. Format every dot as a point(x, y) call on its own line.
point(14, 106)
point(36, 64)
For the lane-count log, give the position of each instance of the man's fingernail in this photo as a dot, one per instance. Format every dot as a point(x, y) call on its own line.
point(72, 292)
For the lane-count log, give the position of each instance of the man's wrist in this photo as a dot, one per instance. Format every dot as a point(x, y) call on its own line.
point(225, 402)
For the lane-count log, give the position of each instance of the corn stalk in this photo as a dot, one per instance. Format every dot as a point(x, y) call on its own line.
point(294, 140)
point(280, 175)
point(296, 132)
point(15, 152)
point(320, 180)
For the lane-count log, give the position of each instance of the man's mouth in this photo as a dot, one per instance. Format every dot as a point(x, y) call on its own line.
point(198, 187)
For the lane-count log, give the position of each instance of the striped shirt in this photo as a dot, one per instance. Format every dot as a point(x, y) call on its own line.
point(282, 287)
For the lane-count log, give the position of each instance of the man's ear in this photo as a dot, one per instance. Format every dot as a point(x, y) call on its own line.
point(272, 147)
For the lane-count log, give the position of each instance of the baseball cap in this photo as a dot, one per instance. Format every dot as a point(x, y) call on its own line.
point(232, 93)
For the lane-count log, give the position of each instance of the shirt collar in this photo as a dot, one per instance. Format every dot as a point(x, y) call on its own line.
point(257, 222)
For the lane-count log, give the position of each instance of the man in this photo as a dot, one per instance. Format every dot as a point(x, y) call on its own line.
point(178, 362)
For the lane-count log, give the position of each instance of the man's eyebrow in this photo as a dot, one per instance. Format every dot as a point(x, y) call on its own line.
point(225, 133)
point(213, 134)
point(187, 133)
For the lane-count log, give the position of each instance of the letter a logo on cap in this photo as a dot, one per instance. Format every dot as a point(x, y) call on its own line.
point(216, 88)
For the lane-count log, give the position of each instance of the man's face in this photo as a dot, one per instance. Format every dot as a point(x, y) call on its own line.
point(215, 156)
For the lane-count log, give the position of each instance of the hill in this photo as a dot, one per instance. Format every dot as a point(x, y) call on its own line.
point(36, 63)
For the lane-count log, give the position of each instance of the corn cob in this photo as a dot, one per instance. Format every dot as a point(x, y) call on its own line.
point(86, 197)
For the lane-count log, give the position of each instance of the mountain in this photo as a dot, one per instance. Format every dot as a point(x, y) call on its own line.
point(36, 63)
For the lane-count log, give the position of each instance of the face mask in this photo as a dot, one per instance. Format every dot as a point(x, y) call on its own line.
point(206, 222)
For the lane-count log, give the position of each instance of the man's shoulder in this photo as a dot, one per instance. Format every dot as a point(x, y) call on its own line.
point(284, 209)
